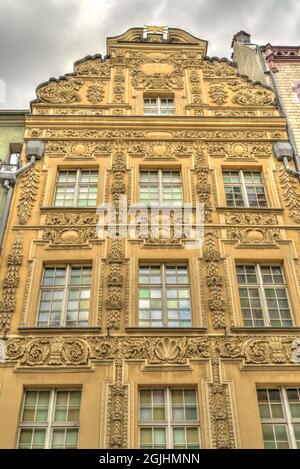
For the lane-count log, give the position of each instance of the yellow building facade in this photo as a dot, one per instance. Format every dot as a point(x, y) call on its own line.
point(147, 340)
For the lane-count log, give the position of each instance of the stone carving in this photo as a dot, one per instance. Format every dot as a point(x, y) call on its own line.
point(95, 93)
point(214, 280)
point(254, 95)
point(72, 111)
point(94, 134)
point(218, 94)
point(117, 410)
point(75, 149)
point(234, 113)
point(29, 188)
point(203, 186)
point(290, 192)
point(70, 235)
point(250, 219)
point(176, 351)
point(80, 351)
point(119, 86)
point(156, 71)
point(258, 350)
point(295, 355)
point(94, 67)
point(196, 87)
point(114, 302)
point(222, 428)
point(10, 283)
point(67, 219)
point(257, 236)
point(218, 69)
point(239, 150)
point(61, 92)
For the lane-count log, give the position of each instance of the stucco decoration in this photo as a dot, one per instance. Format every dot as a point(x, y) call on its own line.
point(156, 71)
point(290, 192)
point(82, 350)
point(214, 279)
point(93, 67)
point(62, 91)
point(10, 283)
point(29, 189)
point(222, 428)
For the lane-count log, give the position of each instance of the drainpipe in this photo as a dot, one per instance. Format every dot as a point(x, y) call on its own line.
point(34, 151)
point(282, 112)
point(284, 152)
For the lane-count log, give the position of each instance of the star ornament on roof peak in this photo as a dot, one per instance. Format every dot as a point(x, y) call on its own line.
point(156, 29)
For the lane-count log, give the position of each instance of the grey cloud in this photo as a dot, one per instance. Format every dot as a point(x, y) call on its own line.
point(42, 38)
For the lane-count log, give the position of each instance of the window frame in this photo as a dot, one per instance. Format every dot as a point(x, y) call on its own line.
point(163, 287)
point(158, 107)
point(243, 185)
point(261, 288)
point(49, 425)
point(168, 423)
point(161, 203)
point(77, 187)
point(287, 419)
point(66, 287)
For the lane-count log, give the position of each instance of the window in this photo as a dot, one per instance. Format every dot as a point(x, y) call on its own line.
point(49, 419)
point(159, 106)
point(279, 410)
point(161, 187)
point(65, 296)
point(164, 296)
point(15, 150)
point(76, 188)
point(244, 189)
point(169, 418)
point(263, 296)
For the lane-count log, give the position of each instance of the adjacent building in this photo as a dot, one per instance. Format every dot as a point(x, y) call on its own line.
point(12, 127)
point(279, 67)
point(145, 336)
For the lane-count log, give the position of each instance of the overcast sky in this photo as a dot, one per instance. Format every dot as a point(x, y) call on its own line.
point(40, 39)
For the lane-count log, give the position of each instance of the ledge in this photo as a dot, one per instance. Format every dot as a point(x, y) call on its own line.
point(250, 209)
point(266, 329)
point(166, 331)
point(58, 330)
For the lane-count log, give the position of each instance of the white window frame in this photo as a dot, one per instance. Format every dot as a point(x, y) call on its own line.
point(287, 420)
point(66, 287)
point(168, 424)
point(50, 425)
point(159, 106)
point(261, 288)
point(243, 186)
point(160, 172)
point(164, 286)
point(77, 186)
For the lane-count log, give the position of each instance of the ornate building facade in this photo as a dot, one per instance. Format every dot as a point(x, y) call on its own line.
point(148, 340)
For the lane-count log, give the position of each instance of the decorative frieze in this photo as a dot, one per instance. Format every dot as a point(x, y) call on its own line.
point(78, 149)
point(250, 218)
point(94, 67)
point(66, 351)
point(240, 150)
